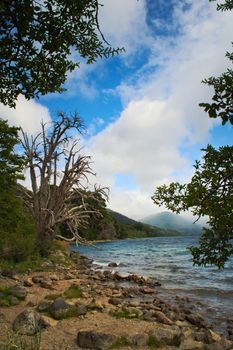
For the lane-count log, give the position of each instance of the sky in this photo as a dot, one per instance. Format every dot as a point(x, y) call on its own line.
point(144, 125)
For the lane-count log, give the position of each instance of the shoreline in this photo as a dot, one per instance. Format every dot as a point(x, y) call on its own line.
point(110, 307)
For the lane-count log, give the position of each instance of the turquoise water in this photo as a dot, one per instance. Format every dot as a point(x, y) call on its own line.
point(169, 260)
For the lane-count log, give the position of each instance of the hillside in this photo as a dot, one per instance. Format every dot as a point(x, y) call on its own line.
point(113, 225)
point(167, 220)
point(135, 228)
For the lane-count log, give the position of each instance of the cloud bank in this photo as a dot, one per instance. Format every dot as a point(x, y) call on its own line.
point(161, 121)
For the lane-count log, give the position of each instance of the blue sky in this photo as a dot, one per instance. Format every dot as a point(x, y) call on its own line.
point(144, 125)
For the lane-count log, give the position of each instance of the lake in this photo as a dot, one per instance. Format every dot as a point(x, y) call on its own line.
point(169, 260)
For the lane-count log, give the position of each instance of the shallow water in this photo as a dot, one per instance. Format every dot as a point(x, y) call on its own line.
point(169, 260)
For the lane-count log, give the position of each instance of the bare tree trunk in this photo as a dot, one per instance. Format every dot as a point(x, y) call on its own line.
point(53, 156)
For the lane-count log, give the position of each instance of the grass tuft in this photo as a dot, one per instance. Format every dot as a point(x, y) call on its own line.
point(120, 343)
point(124, 313)
point(153, 343)
point(175, 341)
point(73, 292)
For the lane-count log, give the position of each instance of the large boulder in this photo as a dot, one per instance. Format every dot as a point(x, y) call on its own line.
point(27, 323)
point(166, 335)
point(95, 340)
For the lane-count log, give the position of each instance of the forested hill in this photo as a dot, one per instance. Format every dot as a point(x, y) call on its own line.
point(167, 220)
point(114, 225)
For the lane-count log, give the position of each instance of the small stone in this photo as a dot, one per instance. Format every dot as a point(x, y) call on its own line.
point(161, 317)
point(54, 277)
point(115, 301)
point(28, 283)
point(37, 279)
point(47, 284)
point(27, 323)
point(44, 306)
point(196, 320)
point(148, 316)
point(112, 264)
point(18, 292)
point(139, 339)
point(8, 273)
point(46, 322)
point(81, 309)
point(147, 290)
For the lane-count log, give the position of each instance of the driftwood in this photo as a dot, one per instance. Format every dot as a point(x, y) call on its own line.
point(58, 172)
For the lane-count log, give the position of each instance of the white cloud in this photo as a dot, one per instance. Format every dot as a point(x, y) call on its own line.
point(161, 112)
point(27, 114)
point(123, 24)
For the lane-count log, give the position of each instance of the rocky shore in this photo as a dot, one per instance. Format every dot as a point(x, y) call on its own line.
point(74, 306)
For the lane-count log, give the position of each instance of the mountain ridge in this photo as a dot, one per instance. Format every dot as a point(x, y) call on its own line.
point(168, 220)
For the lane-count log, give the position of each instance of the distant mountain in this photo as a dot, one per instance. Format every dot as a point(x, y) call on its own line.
point(131, 228)
point(171, 221)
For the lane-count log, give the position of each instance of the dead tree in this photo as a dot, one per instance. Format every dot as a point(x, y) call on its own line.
point(59, 177)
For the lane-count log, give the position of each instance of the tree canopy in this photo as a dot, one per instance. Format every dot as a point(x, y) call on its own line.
point(209, 193)
point(38, 42)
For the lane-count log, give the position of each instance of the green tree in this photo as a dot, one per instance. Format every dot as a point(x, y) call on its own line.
point(222, 100)
point(209, 193)
point(38, 40)
point(11, 164)
point(15, 223)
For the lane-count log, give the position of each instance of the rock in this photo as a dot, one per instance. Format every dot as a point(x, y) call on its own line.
point(54, 277)
point(196, 320)
point(112, 264)
point(27, 323)
point(147, 290)
point(148, 315)
point(95, 340)
point(134, 303)
point(139, 339)
point(44, 306)
point(162, 318)
point(81, 309)
point(47, 284)
point(37, 279)
point(115, 301)
point(18, 292)
point(69, 276)
point(28, 283)
point(8, 273)
point(152, 282)
point(95, 305)
point(58, 307)
point(46, 322)
point(165, 335)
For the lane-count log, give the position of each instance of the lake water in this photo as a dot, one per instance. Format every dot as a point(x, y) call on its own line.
point(169, 260)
